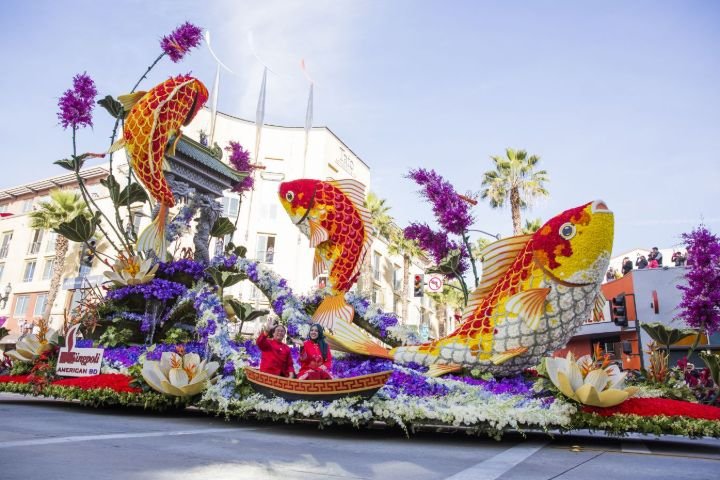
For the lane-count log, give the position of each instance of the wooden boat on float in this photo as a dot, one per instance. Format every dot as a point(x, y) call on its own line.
point(294, 389)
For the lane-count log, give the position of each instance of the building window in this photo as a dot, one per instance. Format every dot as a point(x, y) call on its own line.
point(376, 265)
point(48, 269)
point(40, 303)
point(231, 207)
point(4, 207)
point(29, 271)
point(27, 206)
point(375, 296)
point(265, 250)
point(136, 217)
point(5, 246)
point(35, 242)
point(397, 278)
point(2, 269)
point(397, 305)
point(21, 305)
point(51, 242)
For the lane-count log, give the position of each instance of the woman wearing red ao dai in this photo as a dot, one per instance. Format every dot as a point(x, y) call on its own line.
point(315, 356)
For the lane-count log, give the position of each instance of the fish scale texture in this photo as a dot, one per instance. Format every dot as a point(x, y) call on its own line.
point(151, 122)
point(347, 233)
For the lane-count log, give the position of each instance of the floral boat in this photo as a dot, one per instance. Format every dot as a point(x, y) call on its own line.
point(294, 389)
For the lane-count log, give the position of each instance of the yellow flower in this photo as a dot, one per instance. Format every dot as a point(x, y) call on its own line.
point(180, 376)
point(600, 387)
point(132, 270)
point(31, 346)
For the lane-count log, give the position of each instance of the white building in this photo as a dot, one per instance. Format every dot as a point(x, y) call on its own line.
point(263, 226)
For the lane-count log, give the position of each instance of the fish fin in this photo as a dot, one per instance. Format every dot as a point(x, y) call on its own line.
point(348, 337)
point(437, 370)
point(498, 256)
point(318, 233)
point(320, 264)
point(503, 357)
point(332, 308)
point(129, 100)
point(119, 144)
point(598, 313)
point(153, 236)
point(474, 299)
point(530, 305)
point(173, 147)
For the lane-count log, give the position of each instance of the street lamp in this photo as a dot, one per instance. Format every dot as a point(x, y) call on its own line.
point(4, 298)
point(496, 237)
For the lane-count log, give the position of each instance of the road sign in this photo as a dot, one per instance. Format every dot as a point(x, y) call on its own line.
point(435, 283)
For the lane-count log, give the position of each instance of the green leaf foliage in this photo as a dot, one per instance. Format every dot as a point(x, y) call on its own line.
point(113, 107)
point(223, 226)
point(79, 229)
point(113, 188)
point(223, 278)
point(132, 193)
point(665, 335)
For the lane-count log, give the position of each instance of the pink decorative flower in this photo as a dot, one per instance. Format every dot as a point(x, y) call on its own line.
point(184, 38)
point(77, 103)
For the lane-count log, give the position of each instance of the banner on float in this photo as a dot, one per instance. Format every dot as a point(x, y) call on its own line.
point(78, 362)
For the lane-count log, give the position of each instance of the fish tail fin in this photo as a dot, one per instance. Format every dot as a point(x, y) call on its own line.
point(153, 236)
point(332, 308)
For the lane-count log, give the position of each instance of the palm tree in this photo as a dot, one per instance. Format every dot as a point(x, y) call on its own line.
point(62, 207)
point(380, 221)
point(532, 226)
point(399, 245)
point(515, 180)
point(450, 296)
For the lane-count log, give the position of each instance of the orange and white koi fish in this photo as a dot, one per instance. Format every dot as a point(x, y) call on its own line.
point(536, 291)
point(333, 216)
point(153, 118)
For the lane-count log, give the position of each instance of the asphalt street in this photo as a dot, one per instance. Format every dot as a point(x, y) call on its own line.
point(49, 440)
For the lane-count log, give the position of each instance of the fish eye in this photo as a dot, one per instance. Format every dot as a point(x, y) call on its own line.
point(290, 196)
point(567, 231)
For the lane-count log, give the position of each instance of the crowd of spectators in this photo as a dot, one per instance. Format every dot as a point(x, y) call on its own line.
point(654, 259)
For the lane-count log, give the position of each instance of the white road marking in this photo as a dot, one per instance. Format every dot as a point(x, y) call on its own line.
point(634, 447)
point(110, 436)
point(496, 466)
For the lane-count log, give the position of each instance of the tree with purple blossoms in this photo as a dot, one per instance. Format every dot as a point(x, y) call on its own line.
point(700, 304)
point(514, 181)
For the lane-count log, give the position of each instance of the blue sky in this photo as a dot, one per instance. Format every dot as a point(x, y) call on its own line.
point(620, 99)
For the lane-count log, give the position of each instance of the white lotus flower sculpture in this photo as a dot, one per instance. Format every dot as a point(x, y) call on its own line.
point(32, 345)
point(131, 270)
point(587, 382)
point(179, 376)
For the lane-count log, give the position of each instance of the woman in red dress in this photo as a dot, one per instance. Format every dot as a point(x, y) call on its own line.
point(275, 357)
point(315, 356)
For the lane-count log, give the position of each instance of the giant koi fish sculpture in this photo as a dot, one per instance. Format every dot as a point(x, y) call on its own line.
point(153, 118)
point(536, 291)
point(333, 216)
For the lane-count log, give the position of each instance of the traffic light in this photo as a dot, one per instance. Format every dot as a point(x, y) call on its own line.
point(418, 285)
point(88, 254)
point(618, 310)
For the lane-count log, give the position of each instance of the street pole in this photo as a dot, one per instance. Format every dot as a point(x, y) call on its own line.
point(637, 330)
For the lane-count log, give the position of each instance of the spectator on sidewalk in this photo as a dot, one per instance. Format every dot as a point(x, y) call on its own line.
point(678, 258)
point(627, 266)
point(641, 262)
point(655, 255)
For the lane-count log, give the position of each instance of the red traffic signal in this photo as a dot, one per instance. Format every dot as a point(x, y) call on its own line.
point(418, 285)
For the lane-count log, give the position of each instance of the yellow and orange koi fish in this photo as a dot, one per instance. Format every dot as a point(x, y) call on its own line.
point(153, 118)
point(333, 216)
point(536, 291)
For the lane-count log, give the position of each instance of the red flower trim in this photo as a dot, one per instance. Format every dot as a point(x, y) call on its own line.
point(14, 378)
point(649, 407)
point(113, 381)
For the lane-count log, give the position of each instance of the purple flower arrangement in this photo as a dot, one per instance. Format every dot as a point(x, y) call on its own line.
point(509, 385)
point(185, 266)
point(157, 289)
point(436, 244)
point(451, 211)
point(184, 38)
point(76, 104)
point(240, 160)
point(700, 305)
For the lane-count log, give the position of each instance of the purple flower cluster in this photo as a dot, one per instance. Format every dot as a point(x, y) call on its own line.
point(355, 365)
point(184, 38)
point(253, 352)
point(206, 301)
point(77, 103)
point(225, 262)
point(509, 385)
point(436, 244)
point(240, 160)
point(700, 305)
point(382, 321)
point(252, 272)
point(415, 384)
point(125, 356)
point(156, 288)
point(184, 266)
point(190, 347)
point(451, 211)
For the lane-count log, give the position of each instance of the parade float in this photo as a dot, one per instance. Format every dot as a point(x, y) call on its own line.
point(156, 335)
